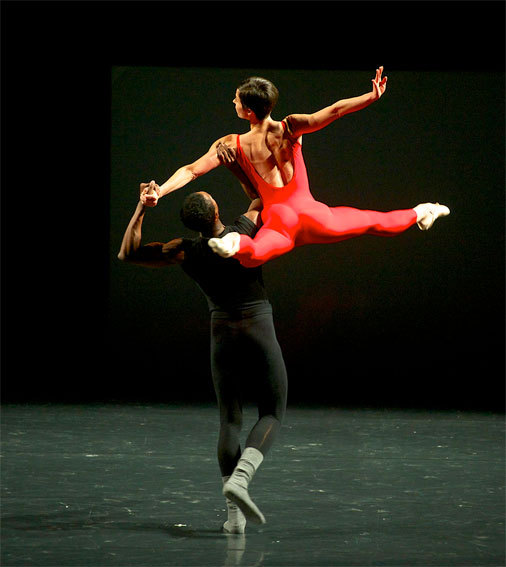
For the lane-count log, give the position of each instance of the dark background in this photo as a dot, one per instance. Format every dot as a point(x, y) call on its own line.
point(97, 97)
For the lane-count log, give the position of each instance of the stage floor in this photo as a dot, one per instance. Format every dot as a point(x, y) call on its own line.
point(131, 485)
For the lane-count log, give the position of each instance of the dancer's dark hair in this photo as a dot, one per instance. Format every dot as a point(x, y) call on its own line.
point(198, 213)
point(259, 95)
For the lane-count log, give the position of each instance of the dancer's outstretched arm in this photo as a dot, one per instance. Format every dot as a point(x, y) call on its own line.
point(187, 173)
point(299, 124)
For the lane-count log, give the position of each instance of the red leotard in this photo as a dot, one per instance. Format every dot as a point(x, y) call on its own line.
point(292, 217)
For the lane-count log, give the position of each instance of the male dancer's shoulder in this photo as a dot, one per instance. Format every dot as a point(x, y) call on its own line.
point(243, 225)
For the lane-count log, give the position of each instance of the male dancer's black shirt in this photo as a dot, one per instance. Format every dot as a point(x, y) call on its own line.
point(227, 285)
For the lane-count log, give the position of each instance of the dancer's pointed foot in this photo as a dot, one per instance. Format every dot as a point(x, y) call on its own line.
point(235, 487)
point(427, 213)
point(227, 246)
point(236, 522)
point(240, 496)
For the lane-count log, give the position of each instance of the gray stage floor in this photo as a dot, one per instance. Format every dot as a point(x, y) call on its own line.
point(129, 485)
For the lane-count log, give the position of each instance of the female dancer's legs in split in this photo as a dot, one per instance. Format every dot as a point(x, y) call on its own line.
point(284, 228)
point(317, 224)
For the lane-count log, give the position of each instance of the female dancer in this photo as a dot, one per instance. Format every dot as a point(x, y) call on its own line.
point(270, 155)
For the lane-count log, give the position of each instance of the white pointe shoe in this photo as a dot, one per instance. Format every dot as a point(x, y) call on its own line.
point(427, 213)
point(227, 246)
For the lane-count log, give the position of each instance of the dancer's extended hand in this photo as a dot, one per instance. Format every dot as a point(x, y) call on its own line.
point(149, 193)
point(379, 84)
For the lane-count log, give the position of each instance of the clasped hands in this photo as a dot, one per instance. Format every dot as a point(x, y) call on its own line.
point(149, 193)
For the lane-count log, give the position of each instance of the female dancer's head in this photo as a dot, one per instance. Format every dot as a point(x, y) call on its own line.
point(256, 94)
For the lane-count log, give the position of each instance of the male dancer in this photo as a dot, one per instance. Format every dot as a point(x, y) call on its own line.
point(243, 339)
point(270, 156)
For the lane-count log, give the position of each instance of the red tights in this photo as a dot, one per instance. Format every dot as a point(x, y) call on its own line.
point(285, 228)
point(291, 216)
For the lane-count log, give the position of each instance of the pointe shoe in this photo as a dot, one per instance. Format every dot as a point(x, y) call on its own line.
point(227, 246)
point(428, 213)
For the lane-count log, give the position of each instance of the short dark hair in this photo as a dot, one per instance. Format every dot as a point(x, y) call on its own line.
point(198, 212)
point(259, 95)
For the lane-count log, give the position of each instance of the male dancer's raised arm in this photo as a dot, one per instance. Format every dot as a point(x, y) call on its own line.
point(154, 254)
point(161, 254)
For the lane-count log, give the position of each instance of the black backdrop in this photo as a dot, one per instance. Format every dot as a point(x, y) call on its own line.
point(104, 95)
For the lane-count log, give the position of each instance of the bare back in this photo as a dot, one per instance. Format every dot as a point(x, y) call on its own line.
point(269, 149)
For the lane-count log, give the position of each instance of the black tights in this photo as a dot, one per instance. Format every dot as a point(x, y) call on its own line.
point(245, 352)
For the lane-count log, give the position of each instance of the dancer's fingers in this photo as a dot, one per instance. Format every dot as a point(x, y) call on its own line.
point(221, 153)
point(225, 153)
point(153, 188)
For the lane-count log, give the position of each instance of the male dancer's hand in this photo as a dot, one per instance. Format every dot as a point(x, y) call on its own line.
point(228, 158)
point(225, 154)
point(379, 85)
point(149, 193)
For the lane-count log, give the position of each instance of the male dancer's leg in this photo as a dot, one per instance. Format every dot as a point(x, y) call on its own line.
point(226, 386)
point(269, 374)
point(224, 371)
point(271, 384)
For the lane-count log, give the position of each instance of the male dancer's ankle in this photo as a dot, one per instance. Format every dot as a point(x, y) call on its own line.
point(236, 488)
